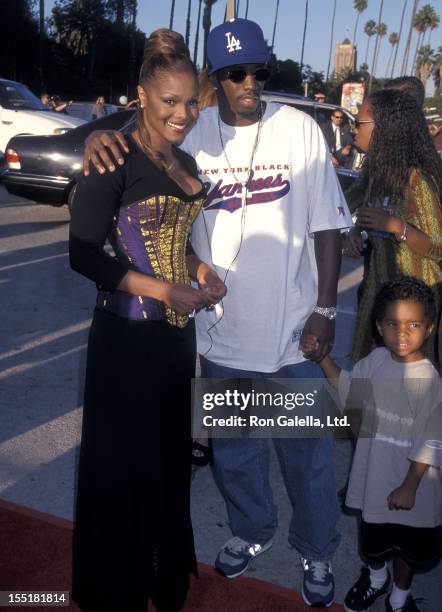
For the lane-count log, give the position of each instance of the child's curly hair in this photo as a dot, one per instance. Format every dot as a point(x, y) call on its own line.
point(405, 288)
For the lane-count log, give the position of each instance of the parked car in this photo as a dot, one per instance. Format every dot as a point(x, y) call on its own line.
point(21, 112)
point(44, 168)
point(84, 110)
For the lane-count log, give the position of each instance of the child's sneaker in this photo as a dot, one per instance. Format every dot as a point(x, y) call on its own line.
point(362, 595)
point(409, 606)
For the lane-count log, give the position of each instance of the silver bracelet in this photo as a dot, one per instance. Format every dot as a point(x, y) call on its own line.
point(403, 236)
point(329, 312)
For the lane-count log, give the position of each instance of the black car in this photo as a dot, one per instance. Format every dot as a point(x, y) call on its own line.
point(44, 168)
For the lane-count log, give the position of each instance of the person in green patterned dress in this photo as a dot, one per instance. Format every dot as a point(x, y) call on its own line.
point(401, 206)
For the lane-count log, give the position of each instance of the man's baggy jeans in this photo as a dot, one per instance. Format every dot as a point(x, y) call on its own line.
point(241, 469)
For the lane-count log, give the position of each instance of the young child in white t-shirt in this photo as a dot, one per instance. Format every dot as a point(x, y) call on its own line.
point(395, 478)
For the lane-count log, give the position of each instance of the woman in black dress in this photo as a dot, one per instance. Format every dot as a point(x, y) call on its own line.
point(133, 535)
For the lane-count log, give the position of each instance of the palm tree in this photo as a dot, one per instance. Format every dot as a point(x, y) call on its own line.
point(381, 31)
point(393, 39)
point(436, 69)
point(189, 8)
point(359, 6)
point(134, 7)
point(207, 22)
point(41, 40)
point(420, 24)
point(424, 63)
point(247, 9)
point(404, 8)
point(408, 44)
point(332, 33)
point(274, 23)
point(370, 30)
point(433, 23)
point(172, 13)
point(197, 33)
point(303, 35)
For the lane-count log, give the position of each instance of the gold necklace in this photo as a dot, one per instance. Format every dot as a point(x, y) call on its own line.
point(170, 166)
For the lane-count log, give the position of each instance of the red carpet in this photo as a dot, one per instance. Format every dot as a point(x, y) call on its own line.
point(35, 554)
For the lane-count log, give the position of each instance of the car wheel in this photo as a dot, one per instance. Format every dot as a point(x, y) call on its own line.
point(71, 197)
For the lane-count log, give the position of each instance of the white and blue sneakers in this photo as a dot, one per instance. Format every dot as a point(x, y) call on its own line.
point(318, 587)
point(234, 557)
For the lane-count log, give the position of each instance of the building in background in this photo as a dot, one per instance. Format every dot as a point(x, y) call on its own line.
point(345, 56)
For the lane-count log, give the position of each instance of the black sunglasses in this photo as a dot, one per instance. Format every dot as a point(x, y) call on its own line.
point(238, 75)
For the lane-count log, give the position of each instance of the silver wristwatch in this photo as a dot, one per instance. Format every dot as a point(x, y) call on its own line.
point(327, 312)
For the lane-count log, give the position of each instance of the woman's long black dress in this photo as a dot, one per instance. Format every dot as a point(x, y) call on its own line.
point(133, 535)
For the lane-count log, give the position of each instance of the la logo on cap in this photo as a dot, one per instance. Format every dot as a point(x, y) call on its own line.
point(233, 44)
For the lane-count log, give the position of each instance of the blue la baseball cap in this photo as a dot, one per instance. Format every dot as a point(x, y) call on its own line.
point(238, 41)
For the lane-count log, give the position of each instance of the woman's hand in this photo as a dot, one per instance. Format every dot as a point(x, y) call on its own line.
point(97, 147)
point(211, 284)
point(352, 243)
point(184, 299)
point(376, 219)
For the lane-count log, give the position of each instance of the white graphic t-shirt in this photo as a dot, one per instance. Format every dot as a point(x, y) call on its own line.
point(265, 248)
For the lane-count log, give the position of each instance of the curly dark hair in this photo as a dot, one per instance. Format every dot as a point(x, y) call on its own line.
point(405, 288)
point(410, 85)
point(400, 142)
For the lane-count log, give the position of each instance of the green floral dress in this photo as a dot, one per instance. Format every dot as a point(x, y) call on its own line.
point(421, 208)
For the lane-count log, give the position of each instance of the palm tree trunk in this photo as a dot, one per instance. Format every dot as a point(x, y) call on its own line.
point(172, 13)
point(303, 35)
point(399, 38)
point(332, 33)
point(376, 48)
point(197, 34)
point(389, 60)
point(120, 13)
point(377, 56)
point(274, 24)
point(407, 46)
point(352, 59)
point(418, 46)
point(189, 8)
point(366, 50)
point(132, 81)
point(207, 22)
point(41, 42)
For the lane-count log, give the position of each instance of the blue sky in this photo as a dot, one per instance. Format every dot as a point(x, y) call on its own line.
point(154, 14)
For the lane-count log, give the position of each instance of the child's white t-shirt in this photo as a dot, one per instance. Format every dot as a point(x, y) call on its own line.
point(403, 399)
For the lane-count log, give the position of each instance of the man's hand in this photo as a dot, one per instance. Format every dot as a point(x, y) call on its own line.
point(211, 284)
point(402, 498)
point(98, 145)
point(308, 345)
point(323, 330)
point(346, 150)
point(376, 219)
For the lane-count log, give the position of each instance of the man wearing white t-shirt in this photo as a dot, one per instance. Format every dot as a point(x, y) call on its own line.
point(270, 228)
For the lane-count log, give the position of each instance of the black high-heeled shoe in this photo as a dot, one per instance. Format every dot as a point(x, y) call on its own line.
point(206, 456)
